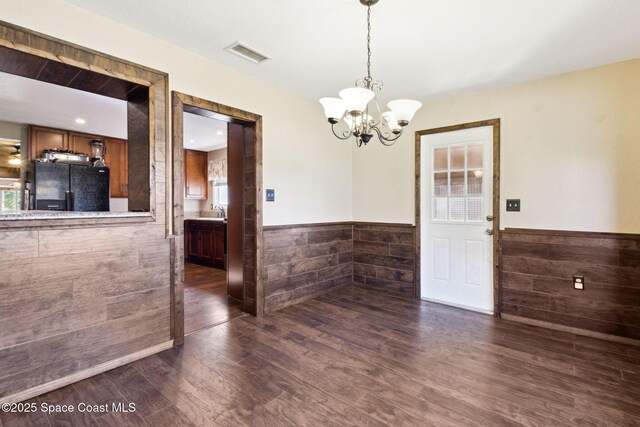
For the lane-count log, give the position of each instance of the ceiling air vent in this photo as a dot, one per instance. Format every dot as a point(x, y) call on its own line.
point(246, 52)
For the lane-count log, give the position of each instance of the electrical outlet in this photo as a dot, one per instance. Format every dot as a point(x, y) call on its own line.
point(578, 282)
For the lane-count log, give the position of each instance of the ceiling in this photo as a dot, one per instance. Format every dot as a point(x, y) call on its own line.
point(28, 101)
point(421, 48)
point(204, 133)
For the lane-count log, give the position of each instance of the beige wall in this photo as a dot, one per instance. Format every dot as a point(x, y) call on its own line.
point(570, 152)
point(309, 169)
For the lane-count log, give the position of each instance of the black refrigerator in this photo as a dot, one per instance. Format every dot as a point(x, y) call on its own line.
point(70, 187)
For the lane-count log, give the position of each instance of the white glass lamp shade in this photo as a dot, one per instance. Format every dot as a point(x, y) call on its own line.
point(356, 98)
point(404, 109)
point(390, 120)
point(334, 108)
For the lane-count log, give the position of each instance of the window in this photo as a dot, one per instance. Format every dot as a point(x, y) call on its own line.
point(221, 194)
point(457, 183)
point(10, 197)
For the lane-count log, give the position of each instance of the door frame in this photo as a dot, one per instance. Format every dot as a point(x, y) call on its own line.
point(495, 124)
point(253, 301)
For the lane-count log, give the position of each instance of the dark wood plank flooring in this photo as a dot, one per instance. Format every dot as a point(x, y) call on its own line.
point(362, 357)
point(205, 298)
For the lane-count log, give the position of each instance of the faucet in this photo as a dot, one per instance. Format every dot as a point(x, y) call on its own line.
point(220, 208)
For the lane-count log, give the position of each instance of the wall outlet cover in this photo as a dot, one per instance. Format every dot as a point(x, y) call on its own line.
point(270, 194)
point(513, 205)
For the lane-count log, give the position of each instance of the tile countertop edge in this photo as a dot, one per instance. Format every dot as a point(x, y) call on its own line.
point(43, 215)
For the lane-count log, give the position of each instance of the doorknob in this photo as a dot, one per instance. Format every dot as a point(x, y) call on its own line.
point(489, 231)
point(489, 217)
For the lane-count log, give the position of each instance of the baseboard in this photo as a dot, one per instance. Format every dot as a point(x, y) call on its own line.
point(571, 330)
point(87, 373)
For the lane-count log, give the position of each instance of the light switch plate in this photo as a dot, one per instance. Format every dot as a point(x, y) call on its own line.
point(270, 194)
point(513, 205)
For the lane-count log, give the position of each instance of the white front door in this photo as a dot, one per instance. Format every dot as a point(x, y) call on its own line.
point(456, 198)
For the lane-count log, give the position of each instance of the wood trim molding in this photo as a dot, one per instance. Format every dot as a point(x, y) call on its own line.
point(495, 124)
point(338, 223)
point(181, 102)
point(84, 374)
point(569, 233)
point(308, 225)
point(25, 40)
point(571, 330)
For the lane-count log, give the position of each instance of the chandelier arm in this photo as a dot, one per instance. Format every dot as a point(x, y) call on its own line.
point(387, 141)
point(345, 135)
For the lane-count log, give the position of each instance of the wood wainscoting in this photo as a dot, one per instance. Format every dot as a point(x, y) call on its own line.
point(304, 261)
point(537, 280)
point(384, 257)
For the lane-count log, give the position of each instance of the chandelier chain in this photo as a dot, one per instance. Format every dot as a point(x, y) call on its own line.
point(369, 78)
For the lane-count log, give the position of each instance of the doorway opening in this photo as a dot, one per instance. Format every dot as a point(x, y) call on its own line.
point(458, 215)
point(208, 299)
point(217, 196)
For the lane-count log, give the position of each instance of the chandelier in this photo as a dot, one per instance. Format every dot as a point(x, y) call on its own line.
point(358, 108)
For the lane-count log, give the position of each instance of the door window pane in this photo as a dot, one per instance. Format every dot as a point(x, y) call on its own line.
point(474, 182)
point(440, 184)
point(440, 162)
point(456, 209)
point(457, 157)
point(440, 208)
point(474, 156)
point(457, 183)
point(474, 209)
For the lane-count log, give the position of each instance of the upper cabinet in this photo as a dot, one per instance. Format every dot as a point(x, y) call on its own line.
point(195, 175)
point(79, 142)
point(46, 139)
point(42, 138)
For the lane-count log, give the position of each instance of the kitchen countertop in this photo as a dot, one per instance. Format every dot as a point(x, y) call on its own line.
point(202, 218)
point(29, 215)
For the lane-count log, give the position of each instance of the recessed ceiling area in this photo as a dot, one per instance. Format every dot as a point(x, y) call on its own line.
point(204, 133)
point(29, 101)
point(421, 48)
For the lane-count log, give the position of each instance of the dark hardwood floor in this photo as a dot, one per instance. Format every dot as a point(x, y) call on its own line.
point(205, 298)
point(361, 357)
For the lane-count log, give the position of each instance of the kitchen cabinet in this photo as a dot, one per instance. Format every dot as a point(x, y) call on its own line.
point(205, 242)
point(42, 138)
point(79, 142)
point(195, 175)
point(117, 160)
